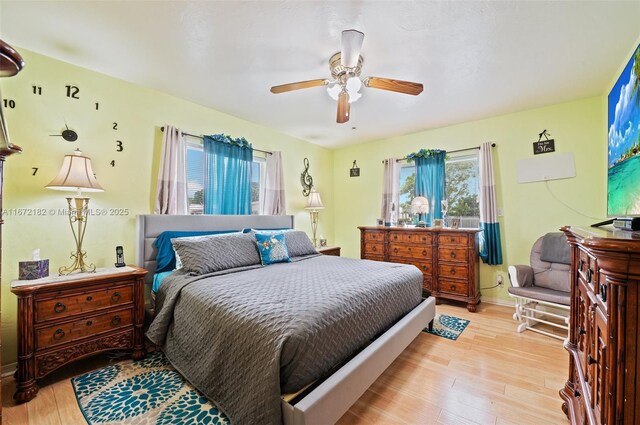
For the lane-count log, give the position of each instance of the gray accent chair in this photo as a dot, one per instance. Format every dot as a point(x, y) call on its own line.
point(542, 290)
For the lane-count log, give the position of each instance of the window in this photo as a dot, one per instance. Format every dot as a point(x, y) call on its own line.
point(195, 179)
point(461, 174)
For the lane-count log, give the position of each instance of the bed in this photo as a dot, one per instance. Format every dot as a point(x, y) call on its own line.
point(192, 302)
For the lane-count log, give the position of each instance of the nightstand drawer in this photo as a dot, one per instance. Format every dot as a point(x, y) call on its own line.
point(76, 303)
point(81, 328)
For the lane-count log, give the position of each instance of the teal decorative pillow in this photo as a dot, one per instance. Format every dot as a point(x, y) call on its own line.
point(272, 248)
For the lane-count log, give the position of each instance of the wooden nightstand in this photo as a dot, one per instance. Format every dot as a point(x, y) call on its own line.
point(64, 318)
point(330, 250)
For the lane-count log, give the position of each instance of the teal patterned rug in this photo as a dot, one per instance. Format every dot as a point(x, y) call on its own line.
point(149, 391)
point(449, 327)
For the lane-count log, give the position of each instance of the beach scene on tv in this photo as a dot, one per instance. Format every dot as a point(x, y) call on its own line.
point(623, 188)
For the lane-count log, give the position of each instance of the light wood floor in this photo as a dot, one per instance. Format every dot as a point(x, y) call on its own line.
point(490, 375)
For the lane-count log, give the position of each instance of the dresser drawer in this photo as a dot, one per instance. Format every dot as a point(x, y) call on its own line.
point(452, 239)
point(374, 236)
point(456, 255)
point(373, 249)
point(453, 271)
point(87, 326)
point(411, 251)
point(417, 237)
point(424, 266)
point(427, 284)
point(76, 303)
point(453, 287)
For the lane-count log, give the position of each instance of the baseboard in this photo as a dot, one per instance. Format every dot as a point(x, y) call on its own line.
point(497, 301)
point(9, 369)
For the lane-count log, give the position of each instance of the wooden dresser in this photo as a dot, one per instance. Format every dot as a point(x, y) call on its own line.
point(61, 319)
point(604, 335)
point(448, 258)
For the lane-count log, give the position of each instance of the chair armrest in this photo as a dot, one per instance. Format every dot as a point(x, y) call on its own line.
point(521, 276)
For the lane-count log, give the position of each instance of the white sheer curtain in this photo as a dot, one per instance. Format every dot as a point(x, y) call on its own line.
point(171, 195)
point(273, 201)
point(390, 189)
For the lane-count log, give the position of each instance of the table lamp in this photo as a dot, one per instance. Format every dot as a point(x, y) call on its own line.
point(420, 205)
point(314, 204)
point(77, 175)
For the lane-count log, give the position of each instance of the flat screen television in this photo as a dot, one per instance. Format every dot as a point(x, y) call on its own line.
point(623, 176)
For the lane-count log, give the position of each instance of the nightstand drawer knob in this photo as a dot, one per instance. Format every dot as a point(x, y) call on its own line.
point(395, 250)
point(89, 322)
point(116, 320)
point(58, 334)
point(453, 254)
point(59, 307)
point(115, 297)
point(453, 271)
point(89, 298)
point(424, 253)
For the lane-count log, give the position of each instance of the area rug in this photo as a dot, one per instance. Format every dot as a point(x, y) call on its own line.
point(149, 391)
point(449, 327)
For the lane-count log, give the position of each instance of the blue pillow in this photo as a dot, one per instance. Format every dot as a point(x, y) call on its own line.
point(272, 248)
point(166, 257)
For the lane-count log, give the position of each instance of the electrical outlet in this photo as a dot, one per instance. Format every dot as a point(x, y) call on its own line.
point(499, 280)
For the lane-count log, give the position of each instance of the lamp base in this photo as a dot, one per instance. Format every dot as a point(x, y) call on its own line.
point(78, 208)
point(78, 265)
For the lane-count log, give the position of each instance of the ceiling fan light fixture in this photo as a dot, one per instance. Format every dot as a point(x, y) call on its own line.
point(352, 86)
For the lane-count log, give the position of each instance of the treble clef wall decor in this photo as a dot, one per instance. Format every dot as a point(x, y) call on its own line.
point(305, 179)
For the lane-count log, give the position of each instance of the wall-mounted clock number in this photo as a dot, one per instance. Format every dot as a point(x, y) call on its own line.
point(72, 91)
point(113, 163)
point(119, 148)
point(97, 104)
point(9, 103)
point(35, 170)
point(115, 125)
point(37, 90)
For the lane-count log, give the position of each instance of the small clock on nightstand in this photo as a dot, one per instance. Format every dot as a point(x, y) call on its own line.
point(330, 250)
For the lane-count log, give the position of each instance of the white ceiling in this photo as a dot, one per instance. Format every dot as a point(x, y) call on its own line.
point(476, 59)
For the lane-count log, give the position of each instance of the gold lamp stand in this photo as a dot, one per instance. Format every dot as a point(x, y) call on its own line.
point(78, 214)
point(314, 225)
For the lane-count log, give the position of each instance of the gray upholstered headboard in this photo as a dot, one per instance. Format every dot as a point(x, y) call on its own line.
point(149, 228)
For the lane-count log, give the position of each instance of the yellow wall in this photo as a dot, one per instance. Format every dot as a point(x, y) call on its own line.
point(130, 185)
point(530, 209)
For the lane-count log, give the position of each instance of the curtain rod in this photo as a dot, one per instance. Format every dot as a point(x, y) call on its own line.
point(201, 137)
point(493, 145)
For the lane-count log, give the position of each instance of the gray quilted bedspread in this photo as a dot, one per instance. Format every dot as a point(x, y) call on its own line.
point(245, 336)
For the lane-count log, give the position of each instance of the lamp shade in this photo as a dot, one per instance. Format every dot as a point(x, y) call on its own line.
point(420, 205)
point(76, 174)
point(314, 202)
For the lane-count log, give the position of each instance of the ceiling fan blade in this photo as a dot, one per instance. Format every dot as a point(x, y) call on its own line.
point(299, 85)
point(406, 87)
point(351, 45)
point(343, 108)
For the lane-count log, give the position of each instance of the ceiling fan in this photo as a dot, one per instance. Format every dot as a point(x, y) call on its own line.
point(345, 81)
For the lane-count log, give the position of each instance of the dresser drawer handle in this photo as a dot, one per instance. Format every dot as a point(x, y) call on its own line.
point(116, 320)
point(452, 240)
point(89, 298)
point(453, 271)
point(453, 254)
point(116, 295)
point(590, 360)
point(580, 264)
point(576, 393)
point(59, 307)
point(589, 275)
point(582, 331)
point(424, 252)
point(452, 287)
point(89, 322)
point(395, 237)
point(395, 250)
point(58, 334)
point(603, 292)
point(424, 267)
